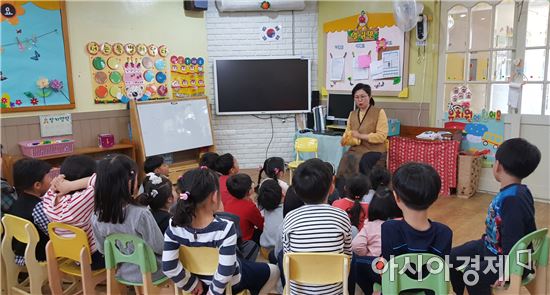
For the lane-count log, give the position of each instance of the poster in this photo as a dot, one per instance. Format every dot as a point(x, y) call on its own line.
point(55, 125)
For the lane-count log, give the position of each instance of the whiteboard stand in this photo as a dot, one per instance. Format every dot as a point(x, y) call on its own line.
point(164, 114)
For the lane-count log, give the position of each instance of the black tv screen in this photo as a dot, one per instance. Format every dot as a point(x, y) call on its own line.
point(262, 86)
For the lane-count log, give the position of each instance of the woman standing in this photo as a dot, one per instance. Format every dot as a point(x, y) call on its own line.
point(368, 128)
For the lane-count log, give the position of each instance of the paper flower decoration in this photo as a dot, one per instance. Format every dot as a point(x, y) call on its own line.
point(381, 44)
point(42, 83)
point(15, 10)
point(4, 100)
point(34, 101)
point(57, 86)
point(18, 102)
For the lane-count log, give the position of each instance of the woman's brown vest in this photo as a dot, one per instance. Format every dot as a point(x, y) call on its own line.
point(368, 126)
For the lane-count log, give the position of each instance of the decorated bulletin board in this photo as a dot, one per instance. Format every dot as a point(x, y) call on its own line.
point(35, 68)
point(367, 48)
point(484, 132)
point(187, 75)
point(124, 72)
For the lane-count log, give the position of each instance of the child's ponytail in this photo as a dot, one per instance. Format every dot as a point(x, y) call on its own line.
point(272, 166)
point(157, 189)
point(356, 187)
point(356, 211)
point(194, 187)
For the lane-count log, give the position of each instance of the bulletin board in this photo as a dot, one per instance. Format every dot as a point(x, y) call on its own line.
point(367, 48)
point(122, 72)
point(187, 75)
point(35, 68)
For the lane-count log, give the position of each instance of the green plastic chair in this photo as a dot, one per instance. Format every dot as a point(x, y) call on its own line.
point(394, 283)
point(142, 256)
point(536, 282)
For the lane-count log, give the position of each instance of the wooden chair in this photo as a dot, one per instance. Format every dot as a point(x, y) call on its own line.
point(74, 249)
point(316, 269)
point(142, 256)
point(303, 145)
point(25, 232)
point(534, 247)
point(393, 282)
point(202, 261)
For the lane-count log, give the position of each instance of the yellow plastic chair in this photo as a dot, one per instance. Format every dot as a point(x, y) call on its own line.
point(303, 145)
point(75, 249)
point(316, 269)
point(25, 232)
point(202, 261)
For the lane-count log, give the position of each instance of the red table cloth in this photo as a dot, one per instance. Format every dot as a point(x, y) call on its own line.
point(442, 155)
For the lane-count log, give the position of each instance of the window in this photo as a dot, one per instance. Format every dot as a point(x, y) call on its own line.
point(534, 97)
point(479, 52)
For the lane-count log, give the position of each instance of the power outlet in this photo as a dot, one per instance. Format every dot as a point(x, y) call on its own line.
point(412, 79)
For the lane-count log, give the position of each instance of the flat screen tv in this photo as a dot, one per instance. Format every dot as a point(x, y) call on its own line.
point(262, 85)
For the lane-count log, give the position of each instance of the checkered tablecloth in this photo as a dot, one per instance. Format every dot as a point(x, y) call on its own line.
point(442, 155)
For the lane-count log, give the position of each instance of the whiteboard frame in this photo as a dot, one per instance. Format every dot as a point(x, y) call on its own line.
point(269, 112)
point(137, 135)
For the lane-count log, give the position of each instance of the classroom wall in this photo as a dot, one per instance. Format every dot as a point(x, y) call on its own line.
point(125, 21)
point(426, 72)
point(237, 34)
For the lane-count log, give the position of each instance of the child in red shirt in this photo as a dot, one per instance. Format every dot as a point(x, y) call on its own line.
point(240, 187)
point(226, 165)
point(356, 187)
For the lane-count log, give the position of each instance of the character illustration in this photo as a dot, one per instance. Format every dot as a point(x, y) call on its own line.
point(133, 79)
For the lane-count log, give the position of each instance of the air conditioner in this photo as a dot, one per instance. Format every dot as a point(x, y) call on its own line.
point(256, 5)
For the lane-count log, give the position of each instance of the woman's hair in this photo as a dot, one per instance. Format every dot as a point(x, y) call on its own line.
point(77, 167)
point(224, 163)
point(270, 194)
point(379, 176)
point(114, 188)
point(383, 205)
point(194, 187)
point(366, 88)
point(356, 187)
point(272, 166)
point(157, 189)
point(208, 159)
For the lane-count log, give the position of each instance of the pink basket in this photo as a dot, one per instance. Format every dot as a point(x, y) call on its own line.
point(44, 150)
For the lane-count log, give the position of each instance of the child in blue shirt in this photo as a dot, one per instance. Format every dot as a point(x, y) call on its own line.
point(510, 217)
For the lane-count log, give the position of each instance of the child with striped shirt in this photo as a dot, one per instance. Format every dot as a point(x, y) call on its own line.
point(194, 225)
point(316, 226)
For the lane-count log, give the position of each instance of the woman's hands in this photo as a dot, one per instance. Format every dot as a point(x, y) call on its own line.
point(358, 135)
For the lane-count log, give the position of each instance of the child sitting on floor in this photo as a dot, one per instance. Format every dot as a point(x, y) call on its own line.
point(356, 187)
point(194, 225)
point(274, 168)
point(240, 204)
point(510, 217)
point(226, 165)
point(208, 159)
point(270, 198)
point(155, 164)
point(159, 196)
point(378, 176)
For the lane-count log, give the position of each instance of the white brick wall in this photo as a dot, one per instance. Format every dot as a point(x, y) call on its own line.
point(237, 34)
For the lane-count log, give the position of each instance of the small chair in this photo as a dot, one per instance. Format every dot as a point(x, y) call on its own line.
point(202, 261)
point(316, 269)
point(394, 283)
point(76, 249)
point(142, 256)
point(25, 232)
point(537, 243)
point(302, 145)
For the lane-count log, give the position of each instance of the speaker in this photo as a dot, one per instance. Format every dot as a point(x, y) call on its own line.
point(195, 5)
point(315, 101)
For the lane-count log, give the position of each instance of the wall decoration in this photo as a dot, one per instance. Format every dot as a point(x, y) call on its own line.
point(187, 76)
point(483, 132)
point(55, 125)
point(124, 72)
point(271, 33)
point(35, 72)
point(374, 51)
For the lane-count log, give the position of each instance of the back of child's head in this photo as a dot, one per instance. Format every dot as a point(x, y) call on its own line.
point(115, 186)
point(153, 162)
point(379, 176)
point(224, 163)
point(312, 181)
point(270, 194)
point(208, 159)
point(356, 187)
point(157, 191)
point(417, 185)
point(194, 187)
point(383, 205)
point(272, 166)
point(28, 171)
point(239, 185)
point(518, 157)
point(292, 201)
point(77, 167)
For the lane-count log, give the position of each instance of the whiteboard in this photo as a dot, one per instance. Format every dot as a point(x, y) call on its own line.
point(172, 126)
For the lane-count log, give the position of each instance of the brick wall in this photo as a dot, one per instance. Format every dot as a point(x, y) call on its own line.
point(237, 34)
